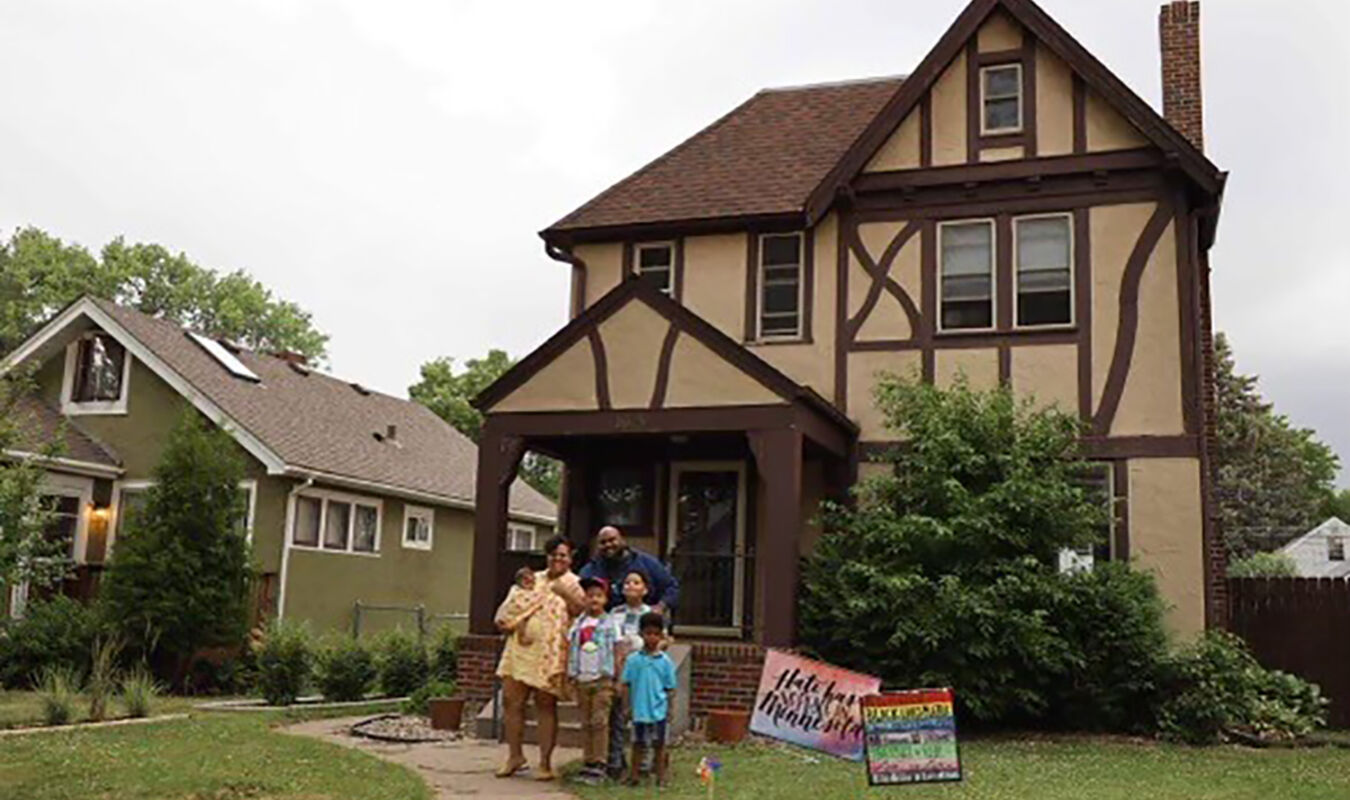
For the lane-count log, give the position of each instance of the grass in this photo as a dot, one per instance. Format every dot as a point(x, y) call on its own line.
point(19, 709)
point(211, 756)
point(1042, 768)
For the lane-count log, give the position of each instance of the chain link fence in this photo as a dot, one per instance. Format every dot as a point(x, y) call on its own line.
point(371, 619)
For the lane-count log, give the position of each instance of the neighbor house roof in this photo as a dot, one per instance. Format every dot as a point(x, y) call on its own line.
point(38, 426)
point(763, 158)
point(302, 422)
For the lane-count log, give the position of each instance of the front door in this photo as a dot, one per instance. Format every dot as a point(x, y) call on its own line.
point(707, 545)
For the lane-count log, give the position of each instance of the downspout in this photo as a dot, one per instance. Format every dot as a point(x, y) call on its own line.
point(564, 254)
point(286, 544)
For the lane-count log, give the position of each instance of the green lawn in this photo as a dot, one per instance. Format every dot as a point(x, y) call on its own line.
point(1044, 769)
point(212, 756)
point(19, 709)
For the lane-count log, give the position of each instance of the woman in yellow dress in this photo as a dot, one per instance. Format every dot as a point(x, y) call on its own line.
point(535, 664)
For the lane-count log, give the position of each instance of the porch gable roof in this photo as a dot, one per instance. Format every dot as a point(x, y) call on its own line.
point(636, 349)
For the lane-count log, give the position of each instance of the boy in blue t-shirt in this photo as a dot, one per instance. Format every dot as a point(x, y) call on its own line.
point(648, 682)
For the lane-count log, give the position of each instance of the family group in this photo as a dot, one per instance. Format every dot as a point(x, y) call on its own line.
point(599, 637)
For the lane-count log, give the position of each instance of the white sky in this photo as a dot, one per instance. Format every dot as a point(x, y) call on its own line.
point(388, 164)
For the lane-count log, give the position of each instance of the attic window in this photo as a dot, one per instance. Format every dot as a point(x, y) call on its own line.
point(1335, 549)
point(656, 263)
point(225, 358)
point(99, 363)
point(1001, 99)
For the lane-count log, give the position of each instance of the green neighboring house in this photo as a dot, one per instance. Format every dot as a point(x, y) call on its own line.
point(353, 496)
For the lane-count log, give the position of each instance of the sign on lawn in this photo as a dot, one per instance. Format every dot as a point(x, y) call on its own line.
point(812, 704)
point(911, 737)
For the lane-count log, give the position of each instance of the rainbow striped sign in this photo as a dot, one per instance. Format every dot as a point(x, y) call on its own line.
point(911, 737)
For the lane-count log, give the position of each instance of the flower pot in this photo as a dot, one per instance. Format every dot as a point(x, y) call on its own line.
point(728, 725)
point(446, 712)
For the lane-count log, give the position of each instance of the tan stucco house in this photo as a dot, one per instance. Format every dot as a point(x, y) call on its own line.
point(1010, 211)
point(353, 495)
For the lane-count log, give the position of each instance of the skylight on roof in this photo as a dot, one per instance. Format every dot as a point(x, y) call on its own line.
point(225, 357)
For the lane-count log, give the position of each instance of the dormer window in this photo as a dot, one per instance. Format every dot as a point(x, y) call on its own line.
point(656, 263)
point(1001, 99)
point(96, 376)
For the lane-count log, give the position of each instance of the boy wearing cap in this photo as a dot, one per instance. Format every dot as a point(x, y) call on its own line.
point(591, 665)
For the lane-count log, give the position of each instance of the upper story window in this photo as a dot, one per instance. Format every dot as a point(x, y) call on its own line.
point(780, 286)
point(1001, 99)
point(1098, 483)
point(967, 285)
point(656, 263)
point(1044, 274)
point(1335, 549)
point(418, 524)
point(336, 522)
point(96, 375)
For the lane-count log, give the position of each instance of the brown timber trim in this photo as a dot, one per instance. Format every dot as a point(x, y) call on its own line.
point(1120, 507)
point(677, 264)
point(842, 266)
point(663, 367)
point(783, 221)
point(1082, 298)
point(1189, 313)
point(974, 112)
point(1129, 318)
point(928, 272)
point(751, 285)
point(926, 131)
point(1029, 119)
point(1003, 274)
point(808, 285)
point(992, 58)
point(601, 369)
point(1098, 447)
point(990, 201)
point(1004, 364)
point(1019, 170)
point(1079, 114)
point(956, 340)
point(879, 270)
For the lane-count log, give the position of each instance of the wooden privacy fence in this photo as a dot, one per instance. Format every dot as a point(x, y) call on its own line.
point(1299, 625)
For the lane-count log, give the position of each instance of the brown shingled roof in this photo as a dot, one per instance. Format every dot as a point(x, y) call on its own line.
point(37, 425)
point(765, 157)
point(318, 422)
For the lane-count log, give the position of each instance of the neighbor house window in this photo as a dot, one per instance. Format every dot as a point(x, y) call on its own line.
point(780, 286)
point(63, 522)
point(656, 263)
point(1097, 482)
point(96, 375)
point(1001, 99)
point(1335, 549)
point(132, 497)
point(417, 525)
point(336, 522)
point(524, 538)
point(967, 285)
point(1044, 276)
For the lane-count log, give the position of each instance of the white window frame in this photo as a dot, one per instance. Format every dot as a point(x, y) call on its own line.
point(993, 274)
point(324, 496)
point(636, 266)
point(249, 485)
point(761, 284)
point(1071, 560)
point(82, 489)
point(984, 98)
point(1017, 273)
point(69, 405)
point(513, 528)
point(424, 513)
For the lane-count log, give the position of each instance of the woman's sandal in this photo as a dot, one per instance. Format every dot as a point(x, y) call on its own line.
point(511, 768)
point(545, 775)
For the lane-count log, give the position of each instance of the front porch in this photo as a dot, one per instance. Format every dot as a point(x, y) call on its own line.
point(699, 451)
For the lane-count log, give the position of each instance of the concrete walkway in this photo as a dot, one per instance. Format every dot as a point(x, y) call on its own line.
point(454, 770)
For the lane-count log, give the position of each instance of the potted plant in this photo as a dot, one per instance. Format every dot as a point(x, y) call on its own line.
point(441, 701)
point(728, 725)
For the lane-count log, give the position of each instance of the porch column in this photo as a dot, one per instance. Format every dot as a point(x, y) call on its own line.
point(778, 457)
point(499, 456)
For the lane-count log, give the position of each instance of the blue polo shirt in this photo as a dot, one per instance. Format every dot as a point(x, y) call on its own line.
point(649, 676)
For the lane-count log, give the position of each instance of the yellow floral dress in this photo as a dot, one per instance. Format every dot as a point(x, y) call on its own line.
point(542, 663)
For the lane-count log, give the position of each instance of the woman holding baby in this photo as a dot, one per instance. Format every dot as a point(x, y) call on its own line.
point(536, 616)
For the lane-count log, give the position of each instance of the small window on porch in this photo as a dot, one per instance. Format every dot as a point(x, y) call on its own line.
point(623, 498)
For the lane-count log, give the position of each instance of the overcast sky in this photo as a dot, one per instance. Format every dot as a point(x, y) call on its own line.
point(388, 164)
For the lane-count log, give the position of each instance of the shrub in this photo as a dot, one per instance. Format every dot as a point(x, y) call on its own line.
point(419, 702)
point(102, 676)
point(53, 633)
point(1264, 565)
point(284, 661)
point(58, 689)
point(344, 670)
point(139, 692)
point(403, 664)
point(444, 657)
point(1218, 691)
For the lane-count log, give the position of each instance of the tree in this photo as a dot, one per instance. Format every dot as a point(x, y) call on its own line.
point(40, 274)
point(450, 394)
point(1264, 565)
point(27, 554)
point(945, 570)
point(1337, 505)
point(1273, 481)
point(181, 576)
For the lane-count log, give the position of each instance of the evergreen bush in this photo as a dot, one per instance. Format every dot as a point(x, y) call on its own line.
point(444, 656)
point(344, 670)
point(58, 632)
point(285, 659)
point(403, 664)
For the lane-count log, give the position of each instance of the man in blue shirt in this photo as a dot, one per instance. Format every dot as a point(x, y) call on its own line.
point(614, 559)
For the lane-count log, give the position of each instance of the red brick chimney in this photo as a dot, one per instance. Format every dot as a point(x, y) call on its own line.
point(1179, 32)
